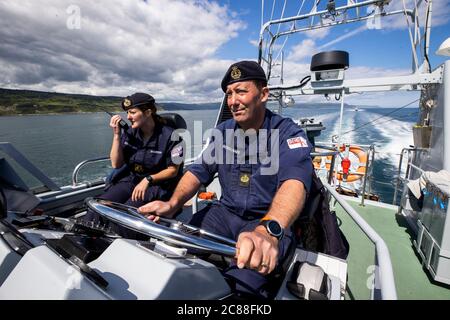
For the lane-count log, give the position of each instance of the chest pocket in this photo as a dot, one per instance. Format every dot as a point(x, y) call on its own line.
point(241, 176)
point(263, 188)
point(146, 160)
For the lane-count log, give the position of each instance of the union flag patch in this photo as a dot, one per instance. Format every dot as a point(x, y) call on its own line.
point(297, 142)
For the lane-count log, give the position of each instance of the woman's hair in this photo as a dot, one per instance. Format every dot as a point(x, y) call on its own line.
point(152, 107)
point(156, 117)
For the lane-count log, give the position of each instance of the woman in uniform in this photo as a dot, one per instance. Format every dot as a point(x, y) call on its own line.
point(148, 157)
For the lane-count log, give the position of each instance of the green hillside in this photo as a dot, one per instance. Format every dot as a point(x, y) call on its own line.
point(15, 102)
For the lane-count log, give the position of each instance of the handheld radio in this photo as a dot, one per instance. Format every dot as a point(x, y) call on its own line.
point(122, 122)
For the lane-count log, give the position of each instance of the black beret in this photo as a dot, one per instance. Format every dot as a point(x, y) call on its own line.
point(139, 100)
point(243, 71)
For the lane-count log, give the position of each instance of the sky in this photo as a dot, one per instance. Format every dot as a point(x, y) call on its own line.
point(179, 50)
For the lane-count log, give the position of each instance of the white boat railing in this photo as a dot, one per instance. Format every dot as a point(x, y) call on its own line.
point(409, 165)
point(82, 164)
point(384, 274)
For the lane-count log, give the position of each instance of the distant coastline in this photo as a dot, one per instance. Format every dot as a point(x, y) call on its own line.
point(28, 102)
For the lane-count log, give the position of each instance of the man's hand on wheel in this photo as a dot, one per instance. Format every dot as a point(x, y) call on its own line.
point(257, 250)
point(154, 209)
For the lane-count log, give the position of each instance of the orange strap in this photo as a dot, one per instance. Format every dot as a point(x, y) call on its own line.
point(207, 195)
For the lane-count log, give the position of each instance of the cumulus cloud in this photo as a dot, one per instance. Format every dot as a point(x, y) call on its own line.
point(113, 47)
point(318, 33)
point(303, 50)
point(440, 14)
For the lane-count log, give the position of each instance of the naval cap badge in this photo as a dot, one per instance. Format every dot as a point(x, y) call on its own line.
point(235, 72)
point(245, 178)
point(126, 102)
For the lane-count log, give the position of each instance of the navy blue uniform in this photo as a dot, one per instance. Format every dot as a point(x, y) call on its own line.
point(143, 158)
point(248, 189)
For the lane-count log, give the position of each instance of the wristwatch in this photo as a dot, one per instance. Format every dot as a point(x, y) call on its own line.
point(273, 228)
point(149, 179)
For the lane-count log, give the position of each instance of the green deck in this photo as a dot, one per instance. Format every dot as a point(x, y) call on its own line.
point(411, 280)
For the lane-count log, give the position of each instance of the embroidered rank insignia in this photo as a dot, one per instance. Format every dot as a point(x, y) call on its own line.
point(235, 73)
point(138, 168)
point(297, 142)
point(126, 103)
point(244, 179)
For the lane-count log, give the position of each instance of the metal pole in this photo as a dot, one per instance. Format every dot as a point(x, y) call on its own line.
point(330, 172)
point(398, 176)
point(364, 182)
point(428, 30)
point(340, 125)
point(371, 167)
point(408, 165)
point(340, 117)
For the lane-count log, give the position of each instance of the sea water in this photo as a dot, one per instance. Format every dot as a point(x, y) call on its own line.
point(57, 143)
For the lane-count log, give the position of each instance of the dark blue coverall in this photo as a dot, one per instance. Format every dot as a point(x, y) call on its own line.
point(247, 194)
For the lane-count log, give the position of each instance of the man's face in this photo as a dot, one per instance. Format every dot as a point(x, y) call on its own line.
point(246, 102)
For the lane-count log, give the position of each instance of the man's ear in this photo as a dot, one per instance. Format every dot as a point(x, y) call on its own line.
point(264, 94)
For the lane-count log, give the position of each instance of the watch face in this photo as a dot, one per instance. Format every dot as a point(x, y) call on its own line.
point(274, 228)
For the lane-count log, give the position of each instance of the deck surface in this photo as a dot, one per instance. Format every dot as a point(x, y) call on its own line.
point(411, 280)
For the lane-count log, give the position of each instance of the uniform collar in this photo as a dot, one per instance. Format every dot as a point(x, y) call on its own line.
point(152, 142)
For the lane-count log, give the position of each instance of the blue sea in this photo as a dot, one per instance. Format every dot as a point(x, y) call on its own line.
point(57, 143)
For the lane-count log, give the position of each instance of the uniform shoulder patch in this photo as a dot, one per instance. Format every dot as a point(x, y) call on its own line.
point(297, 142)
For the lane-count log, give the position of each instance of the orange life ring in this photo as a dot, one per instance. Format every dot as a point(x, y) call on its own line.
point(361, 170)
point(351, 177)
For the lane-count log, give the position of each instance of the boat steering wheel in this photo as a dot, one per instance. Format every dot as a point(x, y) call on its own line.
point(169, 230)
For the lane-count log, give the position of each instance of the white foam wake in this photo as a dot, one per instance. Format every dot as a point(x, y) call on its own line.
point(348, 125)
point(397, 134)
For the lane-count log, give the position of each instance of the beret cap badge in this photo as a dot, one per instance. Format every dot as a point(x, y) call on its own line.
point(235, 73)
point(243, 71)
point(126, 102)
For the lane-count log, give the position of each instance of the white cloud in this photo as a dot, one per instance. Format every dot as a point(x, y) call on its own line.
point(303, 50)
point(343, 37)
point(317, 33)
point(355, 72)
point(163, 45)
point(440, 14)
point(254, 43)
